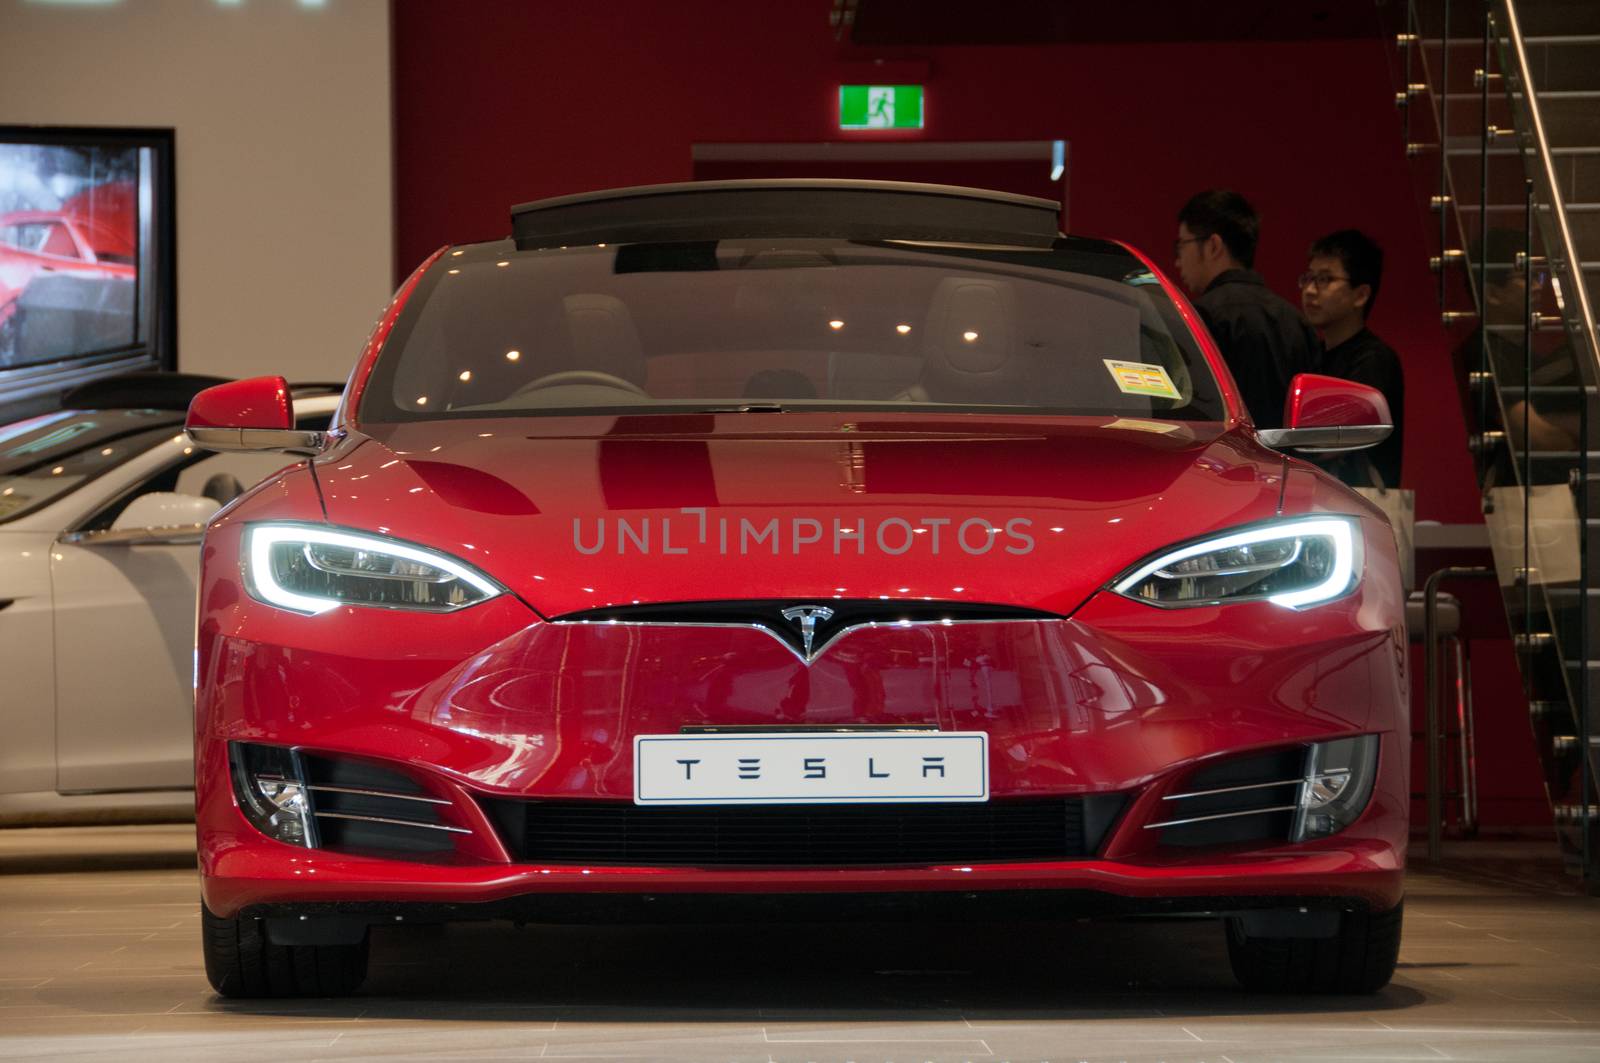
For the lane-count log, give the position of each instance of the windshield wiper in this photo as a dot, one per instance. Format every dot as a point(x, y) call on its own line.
point(748, 407)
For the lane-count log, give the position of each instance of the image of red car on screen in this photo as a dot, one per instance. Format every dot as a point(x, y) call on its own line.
point(67, 277)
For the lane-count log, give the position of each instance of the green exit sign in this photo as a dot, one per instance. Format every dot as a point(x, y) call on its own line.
point(880, 106)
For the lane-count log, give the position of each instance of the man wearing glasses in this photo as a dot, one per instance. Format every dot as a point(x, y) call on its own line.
point(1337, 292)
point(1262, 337)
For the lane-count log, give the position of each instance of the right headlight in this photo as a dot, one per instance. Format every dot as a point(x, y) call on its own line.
point(310, 569)
point(1294, 563)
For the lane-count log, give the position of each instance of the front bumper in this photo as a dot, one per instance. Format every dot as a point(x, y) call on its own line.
point(265, 878)
point(495, 704)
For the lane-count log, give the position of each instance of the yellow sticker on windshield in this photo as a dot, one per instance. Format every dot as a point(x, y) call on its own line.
point(1142, 378)
point(1160, 427)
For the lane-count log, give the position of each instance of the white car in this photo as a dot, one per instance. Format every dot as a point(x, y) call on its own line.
point(102, 505)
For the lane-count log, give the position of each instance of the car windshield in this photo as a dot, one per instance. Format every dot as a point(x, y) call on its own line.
point(46, 457)
point(772, 325)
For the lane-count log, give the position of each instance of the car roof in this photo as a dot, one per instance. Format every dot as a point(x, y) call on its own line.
point(794, 207)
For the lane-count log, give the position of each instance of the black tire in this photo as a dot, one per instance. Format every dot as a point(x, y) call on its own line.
point(1360, 958)
point(241, 962)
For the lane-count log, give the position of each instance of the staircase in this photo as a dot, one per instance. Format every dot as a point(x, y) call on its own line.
point(1501, 105)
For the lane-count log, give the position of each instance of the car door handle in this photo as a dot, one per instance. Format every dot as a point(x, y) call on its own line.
point(176, 535)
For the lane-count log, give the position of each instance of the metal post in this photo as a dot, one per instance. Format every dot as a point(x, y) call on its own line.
point(1586, 781)
point(1527, 438)
point(1444, 148)
point(1432, 729)
point(1481, 288)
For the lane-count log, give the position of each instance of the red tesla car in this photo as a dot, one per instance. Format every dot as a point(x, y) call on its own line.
point(797, 549)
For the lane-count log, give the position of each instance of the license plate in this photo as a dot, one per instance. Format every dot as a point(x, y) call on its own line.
point(794, 768)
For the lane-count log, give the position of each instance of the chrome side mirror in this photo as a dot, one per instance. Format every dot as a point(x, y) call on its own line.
point(253, 414)
point(1325, 440)
point(1325, 415)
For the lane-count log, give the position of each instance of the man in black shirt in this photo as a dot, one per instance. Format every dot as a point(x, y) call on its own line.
point(1262, 338)
point(1338, 291)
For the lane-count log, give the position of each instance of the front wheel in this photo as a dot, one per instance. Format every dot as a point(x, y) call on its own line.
point(1359, 958)
point(241, 962)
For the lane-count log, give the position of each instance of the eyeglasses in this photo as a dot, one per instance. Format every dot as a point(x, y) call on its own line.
point(1320, 281)
point(1177, 245)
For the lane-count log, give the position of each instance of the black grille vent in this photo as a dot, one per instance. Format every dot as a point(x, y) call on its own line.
point(1240, 799)
point(361, 807)
point(613, 833)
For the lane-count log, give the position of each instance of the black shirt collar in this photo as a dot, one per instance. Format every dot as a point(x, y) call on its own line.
point(1360, 339)
point(1236, 276)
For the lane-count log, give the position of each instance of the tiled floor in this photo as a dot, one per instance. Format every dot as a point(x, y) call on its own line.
point(99, 958)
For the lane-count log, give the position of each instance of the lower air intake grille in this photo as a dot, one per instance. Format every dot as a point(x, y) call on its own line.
point(1240, 799)
point(360, 807)
point(604, 832)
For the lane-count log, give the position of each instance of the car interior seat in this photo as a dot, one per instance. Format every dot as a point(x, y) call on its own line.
point(779, 384)
point(969, 345)
point(604, 337)
point(222, 488)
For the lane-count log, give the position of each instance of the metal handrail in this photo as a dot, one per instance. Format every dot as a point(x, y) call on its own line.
point(1502, 41)
point(1547, 163)
point(1584, 330)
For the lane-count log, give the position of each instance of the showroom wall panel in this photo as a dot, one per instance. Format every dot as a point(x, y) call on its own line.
point(284, 186)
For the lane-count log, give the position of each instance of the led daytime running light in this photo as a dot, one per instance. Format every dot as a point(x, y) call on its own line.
point(1339, 531)
point(263, 537)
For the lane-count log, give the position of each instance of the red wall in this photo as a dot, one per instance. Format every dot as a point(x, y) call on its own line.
point(505, 101)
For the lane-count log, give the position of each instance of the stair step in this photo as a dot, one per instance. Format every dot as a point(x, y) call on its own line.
point(1569, 815)
point(1564, 457)
point(1472, 145)
point(1545, 325)
point(1577, 175)
point(1475, 39)
point(1567, 66)
point(1544, 94)
point(1555, 20)
point(1563, 63)
point(1517, 391)
point(1548, 709)
point(1518, 208)
point(1571, 119)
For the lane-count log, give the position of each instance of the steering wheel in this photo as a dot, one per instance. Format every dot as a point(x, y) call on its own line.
point(592, 377)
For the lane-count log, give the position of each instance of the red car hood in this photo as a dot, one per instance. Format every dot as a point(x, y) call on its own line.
point(584, 513)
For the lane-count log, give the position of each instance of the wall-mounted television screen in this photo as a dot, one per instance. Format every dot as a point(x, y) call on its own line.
point(86, 258)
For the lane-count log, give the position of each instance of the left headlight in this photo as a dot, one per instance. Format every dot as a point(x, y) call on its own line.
point(310, 569)
point(1292, 563)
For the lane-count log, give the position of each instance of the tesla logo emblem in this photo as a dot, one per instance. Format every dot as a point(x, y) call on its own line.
point(807, 616)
